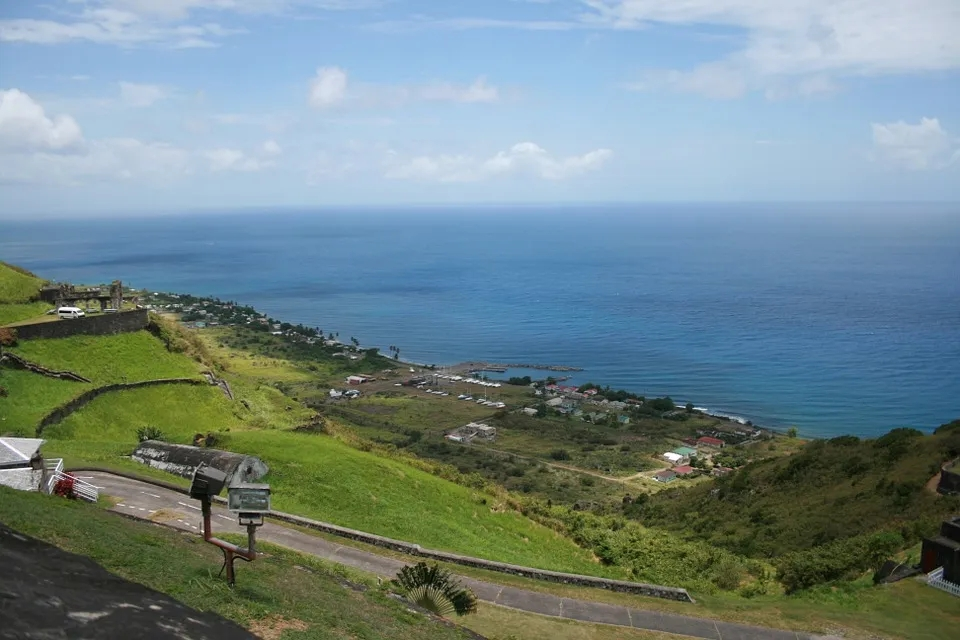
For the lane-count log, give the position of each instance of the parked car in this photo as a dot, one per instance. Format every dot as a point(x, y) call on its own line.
point(70, 313)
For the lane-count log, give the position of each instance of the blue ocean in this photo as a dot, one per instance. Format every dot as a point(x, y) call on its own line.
point(834, 318)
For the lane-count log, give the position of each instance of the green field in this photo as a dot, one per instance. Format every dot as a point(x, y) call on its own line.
point(280, 582)
point(125, 357)
point(17, 285)
point(10, 313)
point(30, 397)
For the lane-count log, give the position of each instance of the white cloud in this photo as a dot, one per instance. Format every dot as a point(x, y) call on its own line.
point(24, 126)
point(918, 147)
point(103, 160)
point(141, 22)
point(140, 95)
point(330, 87)
point(825, 38)
point(271, 149)
point(523, 158)
point(226, 159)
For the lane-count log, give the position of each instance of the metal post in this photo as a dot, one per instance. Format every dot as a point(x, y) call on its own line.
point(230, 551)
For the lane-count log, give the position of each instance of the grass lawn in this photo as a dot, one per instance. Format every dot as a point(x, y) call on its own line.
point(126, 357)
point(10, 313)
point(319, 477)
point(279, 585)
point(30, 397)
point(179, 411)
point(17, 285)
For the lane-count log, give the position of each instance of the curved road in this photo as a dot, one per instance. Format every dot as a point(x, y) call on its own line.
point(150, 502)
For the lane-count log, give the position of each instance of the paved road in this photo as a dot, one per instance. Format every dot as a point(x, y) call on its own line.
point(162, 505)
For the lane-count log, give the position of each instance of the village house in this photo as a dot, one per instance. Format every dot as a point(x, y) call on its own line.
point(530, 411)
point(686, 452)
point(711, 443)
point(666, 475)
point(683, 470)
point(675, 458)
point(356, 379)
point(554, 402)
point(719, 472)
point(624, 420)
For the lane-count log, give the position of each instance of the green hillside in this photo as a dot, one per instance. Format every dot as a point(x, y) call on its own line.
point(125, 357)
point(17, 285)
point(279, 586)
point(830, 491)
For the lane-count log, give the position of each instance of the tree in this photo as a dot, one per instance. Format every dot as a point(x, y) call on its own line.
point(8, 338)
point(542, 410)
point(792, 432)
point(689, 407)
point(436, 590)
point(355, 342)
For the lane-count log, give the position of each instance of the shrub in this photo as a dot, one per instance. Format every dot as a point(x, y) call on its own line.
point(150, 433)
point(436, 590)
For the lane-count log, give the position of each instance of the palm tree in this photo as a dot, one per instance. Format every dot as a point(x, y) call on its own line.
point(436, 590)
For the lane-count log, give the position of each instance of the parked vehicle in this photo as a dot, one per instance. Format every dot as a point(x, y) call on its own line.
point(70, 313)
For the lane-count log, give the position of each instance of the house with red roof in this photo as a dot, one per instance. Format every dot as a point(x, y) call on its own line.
point(683, 470)
point(713, 443)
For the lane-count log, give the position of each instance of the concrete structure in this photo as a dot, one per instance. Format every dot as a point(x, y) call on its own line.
point(472, 431)
point(675, 458)
point(21, 464)
point(950, 478)
point(183, 460)
point(356, 379)
point(98, 325)
point(943, 551)
point(530, 411)
point(686, 452)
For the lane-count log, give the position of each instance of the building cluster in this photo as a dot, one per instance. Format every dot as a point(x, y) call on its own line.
point(681, 458)
point(586, 405)
point(472, 431)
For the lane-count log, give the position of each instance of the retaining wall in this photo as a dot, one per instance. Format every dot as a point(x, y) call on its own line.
point(22, 363)
point(651, 590)
point(97, 325)
point(64, 410)
point(950, 478)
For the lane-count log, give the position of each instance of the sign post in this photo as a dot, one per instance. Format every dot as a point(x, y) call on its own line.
point(249, 501)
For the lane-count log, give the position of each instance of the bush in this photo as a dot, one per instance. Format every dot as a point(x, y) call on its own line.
point(836, 560)
point(150, 433)
point(560, 454)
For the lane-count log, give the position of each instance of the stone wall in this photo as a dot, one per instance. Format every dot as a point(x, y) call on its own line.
point(639, 588)
point(97, 325)
point(950, 478)
point(651, 590)
point(64, 410)
point(22, 363)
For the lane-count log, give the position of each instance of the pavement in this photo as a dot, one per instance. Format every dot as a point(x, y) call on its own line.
point(150, 502)
point(49, 593)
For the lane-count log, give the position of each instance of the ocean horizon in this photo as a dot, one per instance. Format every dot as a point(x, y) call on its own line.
point(834, 318)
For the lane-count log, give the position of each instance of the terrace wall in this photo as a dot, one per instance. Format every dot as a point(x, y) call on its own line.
point(98, 325)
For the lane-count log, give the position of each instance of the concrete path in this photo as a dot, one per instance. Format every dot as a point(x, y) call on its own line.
point(150, 502)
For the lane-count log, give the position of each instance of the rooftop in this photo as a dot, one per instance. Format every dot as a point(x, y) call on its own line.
point(16, 451)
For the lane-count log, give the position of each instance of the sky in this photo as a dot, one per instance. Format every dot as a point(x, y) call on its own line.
point(173, 105)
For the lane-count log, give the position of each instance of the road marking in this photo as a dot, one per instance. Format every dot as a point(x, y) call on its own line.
point(153, 495)
point(141, 509)
point(85, 477)
point(220, 515)
point(120, 504)
point(719, 635)
point(184, 504)
point(629, 617)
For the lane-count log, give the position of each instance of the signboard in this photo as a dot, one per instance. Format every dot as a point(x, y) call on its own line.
point(249, 498)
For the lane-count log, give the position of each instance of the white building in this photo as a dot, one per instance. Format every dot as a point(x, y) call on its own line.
point(21, 465)
point(675, 458)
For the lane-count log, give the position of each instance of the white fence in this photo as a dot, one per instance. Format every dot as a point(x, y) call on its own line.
point(81, 489)
point(935, 579)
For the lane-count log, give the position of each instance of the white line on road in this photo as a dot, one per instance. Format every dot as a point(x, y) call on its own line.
point(220, 515)
point(141, 509)
point(184, 504)
point(85, 477)
point(120, 504)
point(150, 494)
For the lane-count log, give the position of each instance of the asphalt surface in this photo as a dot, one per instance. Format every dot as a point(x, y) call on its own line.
point(150, 502)
point(47, 593)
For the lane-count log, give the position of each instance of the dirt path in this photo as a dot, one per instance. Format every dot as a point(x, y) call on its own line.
point(566, 467)
point(932, 484)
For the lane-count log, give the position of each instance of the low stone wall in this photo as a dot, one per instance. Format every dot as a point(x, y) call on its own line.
point(950, 478)
point(64, 410)
point(22, 363)
point(98, 325)
point(639, 588)
point(651, 590)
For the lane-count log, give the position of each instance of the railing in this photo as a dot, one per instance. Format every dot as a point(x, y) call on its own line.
point(53, 468)
point(79, 488)
point(935, 579)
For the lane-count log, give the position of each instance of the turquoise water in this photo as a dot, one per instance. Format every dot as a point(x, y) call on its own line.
point(833, 318)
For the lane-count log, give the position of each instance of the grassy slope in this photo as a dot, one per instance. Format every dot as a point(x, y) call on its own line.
point(17, 285)
point(30, 397)
point(127, 357)
point(10, 313)
point(184, 567)
point(792, 503)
